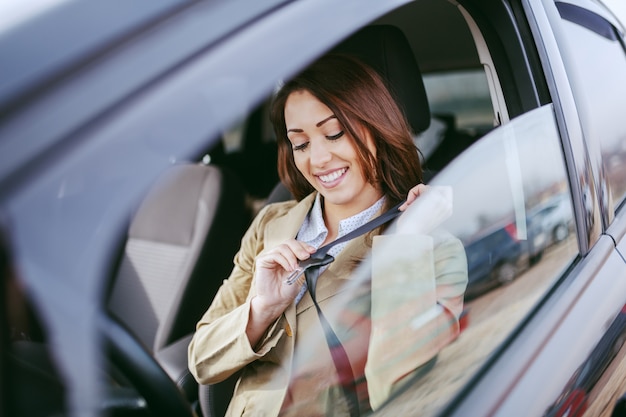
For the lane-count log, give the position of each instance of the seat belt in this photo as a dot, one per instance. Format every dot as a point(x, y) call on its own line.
point(311, 269)
point(320, 257)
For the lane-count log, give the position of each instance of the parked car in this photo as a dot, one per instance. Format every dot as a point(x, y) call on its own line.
point(135, 149)
point(555, 218)
point(500, 254)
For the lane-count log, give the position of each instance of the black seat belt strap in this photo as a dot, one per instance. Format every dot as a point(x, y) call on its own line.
point(311, 270)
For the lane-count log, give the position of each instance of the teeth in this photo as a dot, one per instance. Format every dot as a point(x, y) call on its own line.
point(333, 176)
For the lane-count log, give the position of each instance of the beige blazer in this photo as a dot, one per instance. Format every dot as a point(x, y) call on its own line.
point(290, 371)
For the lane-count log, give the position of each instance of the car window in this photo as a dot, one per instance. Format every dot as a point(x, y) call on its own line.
point(464, 94)
point(589, 37)
point(501, 200)
point(462, 112)
point(510, 219)
point(512, 211)
point(511, 214)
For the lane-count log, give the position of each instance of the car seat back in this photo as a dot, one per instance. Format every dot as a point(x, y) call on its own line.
point(387, 50)
point(180, 247)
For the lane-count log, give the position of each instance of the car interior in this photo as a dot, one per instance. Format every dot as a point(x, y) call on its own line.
point(443, 128)
point(250, 146)
point(185, 232)
point(386, 49)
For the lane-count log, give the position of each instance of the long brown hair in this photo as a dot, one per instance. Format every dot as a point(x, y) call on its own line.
point(360, 99)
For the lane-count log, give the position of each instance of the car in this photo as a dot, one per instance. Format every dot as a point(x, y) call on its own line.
point(503, 251)
point(495, 257)
point(135, 150)
point(498, 255)
point(555, 218)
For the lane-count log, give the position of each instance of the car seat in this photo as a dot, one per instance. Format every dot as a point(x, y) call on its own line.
point(180, 246)
point(386, 49)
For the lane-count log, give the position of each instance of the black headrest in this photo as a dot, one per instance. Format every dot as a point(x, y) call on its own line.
point(386, 49)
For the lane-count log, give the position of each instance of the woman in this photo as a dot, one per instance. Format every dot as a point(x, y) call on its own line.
point(346, 153)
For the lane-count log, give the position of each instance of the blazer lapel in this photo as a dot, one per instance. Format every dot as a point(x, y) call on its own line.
point(284, 228)
point(338, 274)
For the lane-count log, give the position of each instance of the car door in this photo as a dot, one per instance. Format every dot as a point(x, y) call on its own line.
point(572, 342)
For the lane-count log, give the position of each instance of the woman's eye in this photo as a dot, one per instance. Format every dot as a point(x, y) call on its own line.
point(335, 137)
point(300, 147)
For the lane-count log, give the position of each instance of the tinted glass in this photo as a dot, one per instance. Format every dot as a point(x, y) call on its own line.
point(595, 52)
point(464, 94)
point(505, 207)
point(511, 209)
point(505, 200)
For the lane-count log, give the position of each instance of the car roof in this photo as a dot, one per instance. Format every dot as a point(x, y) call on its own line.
point(69, 34)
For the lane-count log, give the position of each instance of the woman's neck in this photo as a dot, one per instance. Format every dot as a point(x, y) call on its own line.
point(335, 213)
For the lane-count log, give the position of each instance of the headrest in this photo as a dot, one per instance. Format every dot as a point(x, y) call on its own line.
point(386, 49)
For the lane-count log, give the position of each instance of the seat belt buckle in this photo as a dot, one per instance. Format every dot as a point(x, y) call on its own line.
point(312, 262)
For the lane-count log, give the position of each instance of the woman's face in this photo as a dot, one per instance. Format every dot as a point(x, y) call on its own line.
point(325, 154)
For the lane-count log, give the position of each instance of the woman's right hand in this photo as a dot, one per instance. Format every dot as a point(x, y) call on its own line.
point(273, 267)
point(273, 294)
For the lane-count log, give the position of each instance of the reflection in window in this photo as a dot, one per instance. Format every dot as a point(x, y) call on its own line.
point(464, 95)
point(513, 212)
point(461, 112)
point(599, 90)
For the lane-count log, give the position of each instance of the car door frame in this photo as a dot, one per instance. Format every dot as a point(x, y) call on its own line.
point(507, 385)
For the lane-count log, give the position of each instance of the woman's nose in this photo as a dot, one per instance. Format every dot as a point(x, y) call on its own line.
point(320, 154)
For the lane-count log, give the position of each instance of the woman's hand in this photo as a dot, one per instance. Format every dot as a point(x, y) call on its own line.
point(273, 267)
point(433, 206)
point(414, 192)
point(273, 294)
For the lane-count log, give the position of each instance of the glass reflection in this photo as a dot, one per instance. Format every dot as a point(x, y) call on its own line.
point(512, 211)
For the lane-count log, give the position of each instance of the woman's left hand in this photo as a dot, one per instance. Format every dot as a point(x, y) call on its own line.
point(414, 192)
point(434, 206)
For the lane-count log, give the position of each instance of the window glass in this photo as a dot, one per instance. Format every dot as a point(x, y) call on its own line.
point(511, 209)
point(233, 137)
point(461, 111)
point(597, 69)
point(464, 94)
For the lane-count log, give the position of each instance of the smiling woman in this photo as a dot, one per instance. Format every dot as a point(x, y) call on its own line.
point(340, 134)
point(385, 149)
point(523, 106)
point(326, 156)
point(328, 161)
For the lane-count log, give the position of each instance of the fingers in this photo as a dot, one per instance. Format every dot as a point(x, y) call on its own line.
point(412, 195)
point(434, 206)
point(285, 255)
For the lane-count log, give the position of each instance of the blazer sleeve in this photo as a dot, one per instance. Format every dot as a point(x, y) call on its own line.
point(220, 347)
point(418, 283)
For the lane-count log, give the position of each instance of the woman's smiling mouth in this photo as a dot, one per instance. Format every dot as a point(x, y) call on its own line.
point(327, 178)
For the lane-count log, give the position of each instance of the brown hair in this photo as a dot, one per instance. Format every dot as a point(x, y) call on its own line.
point(359, 98)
